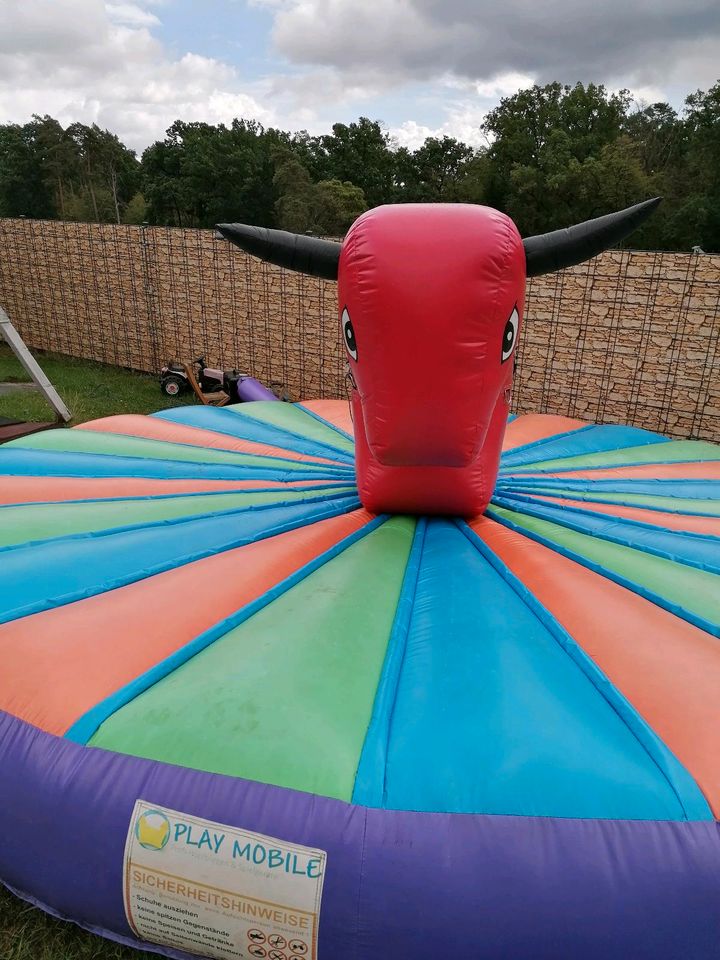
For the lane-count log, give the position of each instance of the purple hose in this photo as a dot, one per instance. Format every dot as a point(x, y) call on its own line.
point(249, 388)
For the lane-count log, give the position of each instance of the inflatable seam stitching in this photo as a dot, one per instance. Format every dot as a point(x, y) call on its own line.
point(369, 789)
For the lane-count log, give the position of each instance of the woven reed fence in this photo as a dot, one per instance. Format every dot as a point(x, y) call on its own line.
point(628, 337)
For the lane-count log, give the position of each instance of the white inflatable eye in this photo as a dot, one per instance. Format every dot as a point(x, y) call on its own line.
point(510, 335)
point(349, 334)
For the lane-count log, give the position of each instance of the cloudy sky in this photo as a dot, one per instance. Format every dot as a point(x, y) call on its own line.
point(421, 66)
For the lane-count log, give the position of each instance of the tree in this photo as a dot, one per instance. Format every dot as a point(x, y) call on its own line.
point(136, 210)
point(429, 174)
point(59, 159)
point(24, 190)
point(540, 138)
point(76, 173)
point(556, 155)
point(327, 208)
point(359, 153)
point(161, 183)
point(294, 188)
point(200, 174)
point(702, 163)
point(659, 135)
point(336, 205)
point(107, 172)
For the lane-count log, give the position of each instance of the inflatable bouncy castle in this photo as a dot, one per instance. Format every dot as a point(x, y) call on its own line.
point(406, 678)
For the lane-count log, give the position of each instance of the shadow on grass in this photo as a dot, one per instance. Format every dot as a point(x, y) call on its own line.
point(27, 933)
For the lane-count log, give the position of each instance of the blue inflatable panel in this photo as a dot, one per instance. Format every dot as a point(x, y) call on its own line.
point(54, 463)
point(234, 424)
point(577, 443)
point(481, 684)
point(690, 548)
point(676, 608)
point(682, 489)
point(370, 784)
point(49, 574)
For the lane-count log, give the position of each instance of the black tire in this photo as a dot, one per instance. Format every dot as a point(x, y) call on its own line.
point(173, 386)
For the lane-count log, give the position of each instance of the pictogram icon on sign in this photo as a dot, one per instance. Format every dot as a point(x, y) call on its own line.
point(275, 940)
point(298, 947)
point(255, 950)
point(277, 955)
point(257, 936)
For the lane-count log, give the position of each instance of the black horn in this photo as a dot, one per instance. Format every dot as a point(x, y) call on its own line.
point(318, 258)
point(564, 248)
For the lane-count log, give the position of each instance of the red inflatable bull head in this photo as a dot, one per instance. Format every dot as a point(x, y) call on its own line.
point(430, 301)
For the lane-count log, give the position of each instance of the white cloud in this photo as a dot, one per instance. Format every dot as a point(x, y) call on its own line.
point(95, 62)
point(613, 41)
point(101, 63)
point(465, 105)
point(131, 15)
point(390, 36)
point(503, 85)
point(464, 122)
point(49, 29)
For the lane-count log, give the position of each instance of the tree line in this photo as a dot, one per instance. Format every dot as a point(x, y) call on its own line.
point(554, 155)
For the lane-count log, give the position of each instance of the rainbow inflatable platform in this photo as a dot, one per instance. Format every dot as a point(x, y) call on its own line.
point(413, 678)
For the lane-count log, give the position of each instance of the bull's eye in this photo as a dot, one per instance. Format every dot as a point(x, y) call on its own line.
point(510, 335)
point(349, 334)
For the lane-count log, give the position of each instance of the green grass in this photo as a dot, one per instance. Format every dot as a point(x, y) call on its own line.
point(27, 933)
point(90, 390)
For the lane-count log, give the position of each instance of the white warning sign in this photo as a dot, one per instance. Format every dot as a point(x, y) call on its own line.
point(218, 891)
